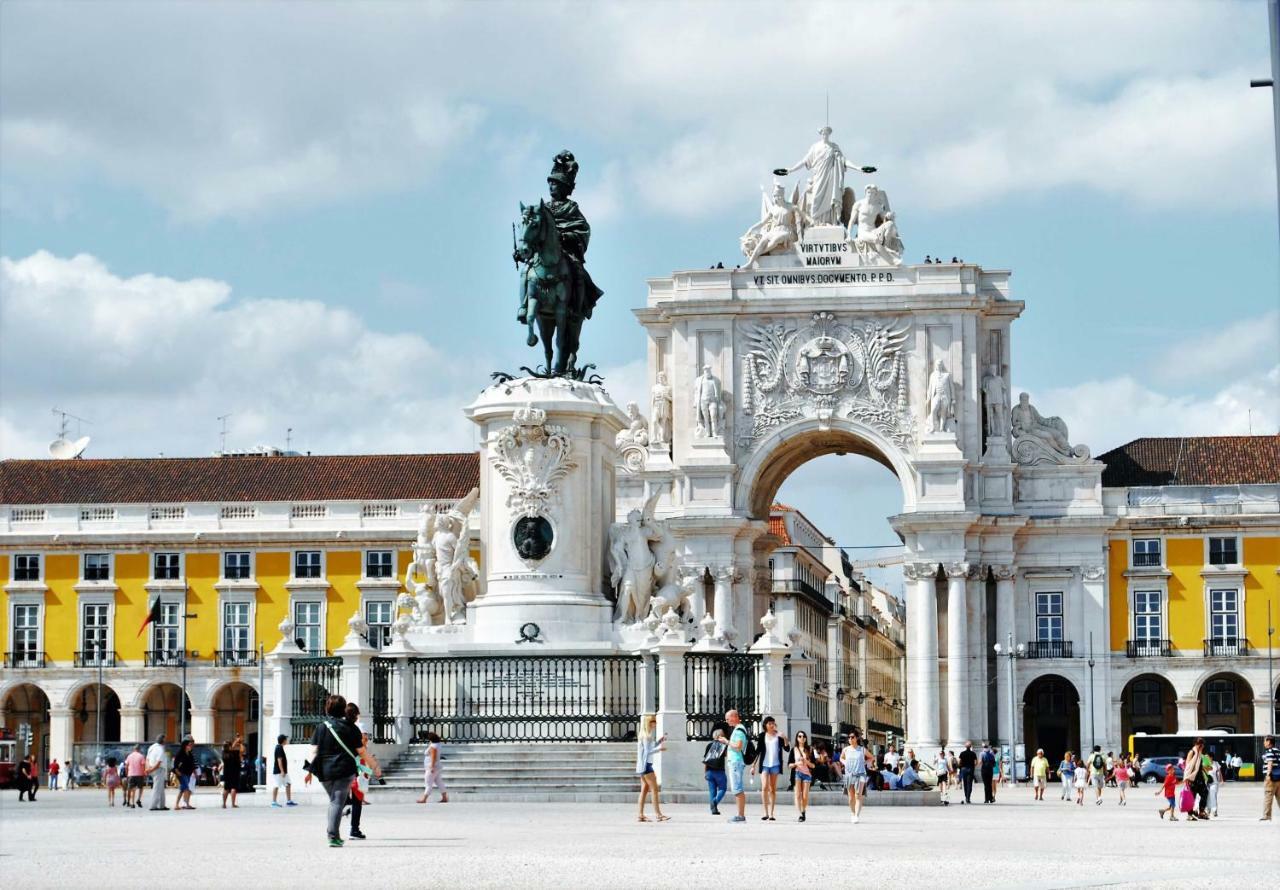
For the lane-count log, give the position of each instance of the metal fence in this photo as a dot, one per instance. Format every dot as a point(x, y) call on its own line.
point(715, 683)
point(381, 699)
point(313, 679)
point(579, 698)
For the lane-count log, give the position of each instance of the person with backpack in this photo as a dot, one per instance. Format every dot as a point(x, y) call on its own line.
point(1097, 773)
point(713, 768)
point(1270, 764)
point(335, 753)
point(741, 751)
point(987, 763)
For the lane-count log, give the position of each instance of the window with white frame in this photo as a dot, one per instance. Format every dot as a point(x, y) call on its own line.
point(1224, 614)
point(166, 566)
point(26, 567)
point(236, 565)
point(97, 567)
point(95, 631)
point(1148, 615)
point(1223, 552)
point(306, 564)
point(1049, 617)
point(379, 564)
point(378, 615)
point(307, 627)
point(26, 633)
point(165, 632)
point(236, 630)
point(1146, 552)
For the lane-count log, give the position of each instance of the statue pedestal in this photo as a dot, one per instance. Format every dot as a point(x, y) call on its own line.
point(547, 464)
point(940, 465)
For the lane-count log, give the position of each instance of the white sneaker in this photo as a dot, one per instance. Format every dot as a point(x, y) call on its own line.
point(855, 820)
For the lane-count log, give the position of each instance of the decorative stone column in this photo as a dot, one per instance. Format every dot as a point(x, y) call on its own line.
point(131, 725)
point(1188, 716)
point(978, 649)
point(922, 656)
point(401, 687)
point(958, 730)
point(280, 671)
point(356, 653)
point(771, 690)
point(202, 726)
point(1004, 575)
point(726, 601)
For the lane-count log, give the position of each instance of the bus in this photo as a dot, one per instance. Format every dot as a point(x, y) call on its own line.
point(1216, 743)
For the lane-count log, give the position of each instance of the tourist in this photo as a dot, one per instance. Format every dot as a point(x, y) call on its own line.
point(1039, 773)
point(1111, 768)
point(1269, 764)
point(1081, 781)
point(968, 762)
point(158, 769)
point(647, 745)
point(232, 764)
point(1097, 773)
point(1067, 774)
point(333, 761)
point(1135, 771)
point(988, 766)
point(135, 770)
point(1121, 776)
point(911, 780)
point(740, 751)
point(1007, 769)
point(72, 778)
point(1236, 762)
point(34, 765)
point(1188, 802)
point(854, 758)
point(55, 769)
point(431, 772)
point(25, 786)
point(1215, 782)
point(713, 768)
point(184, 764)
point(111, 776)
point(802, 763)
point(1170, 791)
point(771, 746)
point(890, 759)
point(825, 770)
point(280, 775)
point(953, 771)
point(365, 770)
point(1193, 772)
point(942, 768)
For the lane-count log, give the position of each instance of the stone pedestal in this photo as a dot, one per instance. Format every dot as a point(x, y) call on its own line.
point(547, 464)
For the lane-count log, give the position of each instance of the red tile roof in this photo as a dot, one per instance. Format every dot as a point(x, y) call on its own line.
point(165, 480)
point(778, 528)
point(1194, 460)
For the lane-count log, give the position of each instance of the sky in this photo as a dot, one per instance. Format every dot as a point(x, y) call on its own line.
point(299, 214)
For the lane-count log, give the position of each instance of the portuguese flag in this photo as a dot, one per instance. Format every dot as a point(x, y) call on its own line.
point(153, 615)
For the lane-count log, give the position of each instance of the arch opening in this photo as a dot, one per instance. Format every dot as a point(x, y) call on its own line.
point(26, 714)
point(165, 709)
point(87, 703)
point(1051, 717)
point(1225, 702)
point(235, 713)
point(1148, 704)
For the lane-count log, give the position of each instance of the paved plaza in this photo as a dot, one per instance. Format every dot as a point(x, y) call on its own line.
point(72, 839)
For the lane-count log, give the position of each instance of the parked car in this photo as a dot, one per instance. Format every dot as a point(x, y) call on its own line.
point(1153, 768)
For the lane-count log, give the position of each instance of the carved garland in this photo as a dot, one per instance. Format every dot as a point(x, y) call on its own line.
point(533, 456)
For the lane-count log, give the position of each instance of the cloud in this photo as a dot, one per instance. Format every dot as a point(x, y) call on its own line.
point(153, 361)
point(1240, 346)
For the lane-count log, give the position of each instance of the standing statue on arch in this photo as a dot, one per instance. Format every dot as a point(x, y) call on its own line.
point(826, 201)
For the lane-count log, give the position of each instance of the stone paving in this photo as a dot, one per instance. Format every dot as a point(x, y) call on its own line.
point(70, 839)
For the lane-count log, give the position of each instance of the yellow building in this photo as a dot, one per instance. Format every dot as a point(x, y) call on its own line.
point(224, 549)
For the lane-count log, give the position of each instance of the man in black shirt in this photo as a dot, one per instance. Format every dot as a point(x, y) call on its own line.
point(280, 774)
point(1270, 775)
point(968, 762)
point(988, 774)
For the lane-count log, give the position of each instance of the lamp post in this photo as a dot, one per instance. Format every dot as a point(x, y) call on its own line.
point(98, 728)
point(1013, 654)
point(1093, 725)
point(262, 743)
point(1271, 680)
point(182, 700)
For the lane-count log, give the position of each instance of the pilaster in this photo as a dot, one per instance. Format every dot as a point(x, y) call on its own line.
point(131, 725)
point(958, 730)
point(922, 656)
point(61, 737)
point(1004, 575)
point(202, 726)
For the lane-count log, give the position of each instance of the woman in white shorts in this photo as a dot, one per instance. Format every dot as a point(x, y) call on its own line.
point(854, 758)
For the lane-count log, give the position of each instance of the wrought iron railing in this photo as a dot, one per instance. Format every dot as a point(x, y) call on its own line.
point(715, 683)
point(1226, 646)
point(162, 658)
point(313, 680)
point(1148, 648)
point(94, 658)
point(1049, 649)
point(25, 659)
point(382, 699)
point(236, 658)
point(534, 698)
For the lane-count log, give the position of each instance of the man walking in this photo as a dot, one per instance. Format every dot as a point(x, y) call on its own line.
point(1097, 773)
point(280, 774)
point(135, 771)
point(158, 769)
point(735, 763)
point(1270, 775)
point(968, 762)
point(1039, 773)
point(988, 762)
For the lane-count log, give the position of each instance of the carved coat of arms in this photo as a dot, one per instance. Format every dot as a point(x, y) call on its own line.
point(533, 456)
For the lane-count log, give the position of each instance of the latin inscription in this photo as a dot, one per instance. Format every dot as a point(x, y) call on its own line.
point(801, 279)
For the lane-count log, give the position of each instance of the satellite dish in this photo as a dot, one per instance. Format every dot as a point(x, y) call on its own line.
point(62, 449)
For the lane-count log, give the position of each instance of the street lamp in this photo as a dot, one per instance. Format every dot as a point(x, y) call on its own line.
point(182, 701)
point(1093, 725)
point(1271, 680)
point(1013, 653)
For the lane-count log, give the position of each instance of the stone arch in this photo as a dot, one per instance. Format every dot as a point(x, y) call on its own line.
point(82, 700)
point(1148, 703)
point(782, 451)
point(1051, 717)
point(234, 706)
point(1224, 700)
point(159, 703)
point(23, 701)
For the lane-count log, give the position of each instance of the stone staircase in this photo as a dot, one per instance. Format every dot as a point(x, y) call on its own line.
point(553, 771)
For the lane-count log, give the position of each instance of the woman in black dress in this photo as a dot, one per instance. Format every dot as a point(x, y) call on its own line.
point(232, 760)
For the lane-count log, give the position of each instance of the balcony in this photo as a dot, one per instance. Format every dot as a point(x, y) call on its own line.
point(1226, 646)
point(1049, 649)
point(24, 659)
point(95, 658)
point(163, 658)
point(1148, 648)
point(236, 658)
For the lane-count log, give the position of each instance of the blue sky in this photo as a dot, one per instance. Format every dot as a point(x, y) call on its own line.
point(301, 213)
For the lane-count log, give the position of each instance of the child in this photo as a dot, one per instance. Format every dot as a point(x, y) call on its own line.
point(1122, 779)
point(112, 777)
point(1169, 791)
point(1082, 782)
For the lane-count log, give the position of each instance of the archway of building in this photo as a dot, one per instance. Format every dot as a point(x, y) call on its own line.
point(26, 714)
point(1225, 702)
point(235, 713)
point(1148, 703)
point(1051, 717)
point(87, 703)
point(161, 714)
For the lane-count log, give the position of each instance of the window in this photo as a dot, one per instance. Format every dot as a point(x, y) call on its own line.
point(165, 633)
point(1220, 697)
point(1146, 698)
point(235, 565)
point(95, 631)
point(26, 567)
point(1224, 615)
point(307, 627)
point(378, 616)
point(235, 629)
point(306, 564)
point(97, 567)
point(26, 633)
point(1146, 552)
point(378, 564)
point(1049, 617)
point(1148, 616)
point(167, 567)
point(1223, 552)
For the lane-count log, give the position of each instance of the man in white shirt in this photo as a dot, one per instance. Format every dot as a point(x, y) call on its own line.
point(158, 769)
point(891, 759)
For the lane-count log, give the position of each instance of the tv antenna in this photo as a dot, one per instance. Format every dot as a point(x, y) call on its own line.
point(222, 436)
point(63, 448)
point(288, 440)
